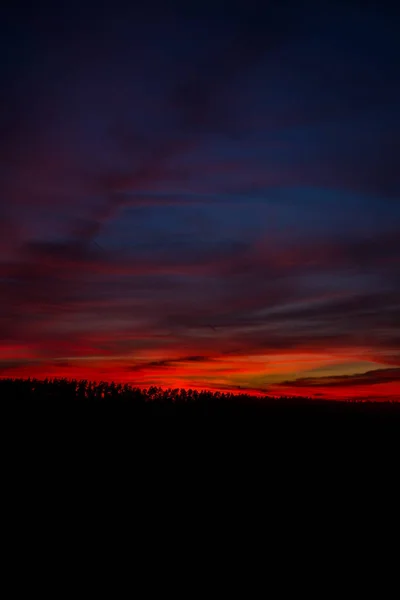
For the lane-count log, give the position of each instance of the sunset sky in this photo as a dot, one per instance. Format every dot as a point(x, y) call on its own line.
point(202, 194)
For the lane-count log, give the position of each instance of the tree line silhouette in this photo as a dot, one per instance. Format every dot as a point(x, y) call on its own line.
point(62, 391)
point(84, 389)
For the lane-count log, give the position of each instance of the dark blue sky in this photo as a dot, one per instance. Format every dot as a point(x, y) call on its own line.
point(167, 167)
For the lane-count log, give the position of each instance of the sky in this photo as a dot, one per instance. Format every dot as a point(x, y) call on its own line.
point(202, 195)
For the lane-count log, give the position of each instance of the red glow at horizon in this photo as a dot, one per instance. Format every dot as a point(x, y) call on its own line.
point(211, 375)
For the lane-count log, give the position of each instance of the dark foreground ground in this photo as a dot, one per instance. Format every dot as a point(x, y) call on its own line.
point(169, 473)
point(73, 430)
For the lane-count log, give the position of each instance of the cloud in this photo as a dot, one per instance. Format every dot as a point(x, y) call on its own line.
point(12, 365)
point(167, 363)
point(374, 377)
point(263, 303)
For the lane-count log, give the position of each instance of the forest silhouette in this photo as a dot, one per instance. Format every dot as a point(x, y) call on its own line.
point(72, 394)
